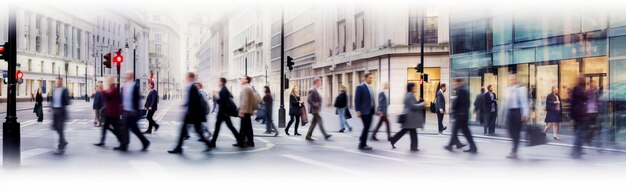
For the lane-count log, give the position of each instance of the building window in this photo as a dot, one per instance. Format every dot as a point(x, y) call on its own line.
point(41, 67)
point(29, 65)
point(359, 25)
point(157, 49)
point(430, 29)
point(27, 31)
point(341, 36)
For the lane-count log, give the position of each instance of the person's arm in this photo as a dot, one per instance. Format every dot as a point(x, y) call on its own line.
point(413, 105)
point(357, 101)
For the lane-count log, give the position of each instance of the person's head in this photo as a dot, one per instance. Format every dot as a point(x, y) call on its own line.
point(581, 80)
point(490, 88)
point(59, 82)
point(482, 89)
point(512, 79)
point(592, 85)
point(191, 77)
point(246, 80)
point(294, 91)
point(266, 89)
point(555, 89)
point(342, 88)
point(38, 90)
point(368, 78)
point(151, 85)
point(444, 87)
point(386, 85)
point(199, 86)
point(221, 82)
point(109, 81)
point(410, 88)
point(317, 82)
point(128, 76)
point(459, 82)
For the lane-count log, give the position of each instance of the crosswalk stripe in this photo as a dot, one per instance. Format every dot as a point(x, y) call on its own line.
point(322, 164)
point(34, 152)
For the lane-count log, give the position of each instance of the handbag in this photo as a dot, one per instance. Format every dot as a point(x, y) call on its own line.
point(303, 116)
point(535, 136)
point(433, 109)
point(348, 114)
point(401, 118)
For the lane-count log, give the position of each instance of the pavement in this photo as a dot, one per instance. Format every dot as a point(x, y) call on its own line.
point(282, 162)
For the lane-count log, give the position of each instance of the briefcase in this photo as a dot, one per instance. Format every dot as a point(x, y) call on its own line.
point(348, 114)
point(303, 116)
point(535, 136)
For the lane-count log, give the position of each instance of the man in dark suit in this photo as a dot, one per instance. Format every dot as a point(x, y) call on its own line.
point(382, 112)
point(440, 106)
point(364, 107)
point(579, 114)
point(60, 101)
point(195, 113)
point(130, 114)
point(151, 105)
point(460, 113)
point(315, 106)
point(98, 103)
point(226, 109)
point(478, 107)
point(490, 110)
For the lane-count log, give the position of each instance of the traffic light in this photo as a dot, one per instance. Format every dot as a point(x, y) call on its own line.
point(290, 63)
point(107, 60)
point(19, 76)
point(118, 59)
point(3, 56)
point(419, 68)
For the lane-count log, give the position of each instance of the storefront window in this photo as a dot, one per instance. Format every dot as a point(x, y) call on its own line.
point(569, 70)
point(548, 76)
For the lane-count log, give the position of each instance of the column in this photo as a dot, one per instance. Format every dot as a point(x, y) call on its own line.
point(43, 32)
point(71, 42)
point(62, 39)
point(83, 46)
point(52, 38)
point(335, 87)
point(33, 32)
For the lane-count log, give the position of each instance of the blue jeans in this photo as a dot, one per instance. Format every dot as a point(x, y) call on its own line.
point(343, 123)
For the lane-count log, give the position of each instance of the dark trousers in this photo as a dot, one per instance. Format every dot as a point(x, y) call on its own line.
point(440, 121)
point(269, 122)
point(317, 120)
point(58, 123)
point(218, 123)
point(581, 129)
point(514, 123)
point(184, 133)
point(460, 123)
point(293, 118)
point(108, 123)
point(245, 132)
point(490, 122)
point(401, 133)
point(383, 119)
point(151, 122)
point(130, 125)
point(367, 123)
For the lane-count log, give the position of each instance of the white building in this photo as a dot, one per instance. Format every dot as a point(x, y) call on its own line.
point(164, 52)
point(66, 42)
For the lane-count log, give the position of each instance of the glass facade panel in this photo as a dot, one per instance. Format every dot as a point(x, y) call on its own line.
point(618, 46)
point(502, 29)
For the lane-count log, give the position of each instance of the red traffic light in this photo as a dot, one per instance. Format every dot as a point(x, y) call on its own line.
point(19, 74)
point(118, 58)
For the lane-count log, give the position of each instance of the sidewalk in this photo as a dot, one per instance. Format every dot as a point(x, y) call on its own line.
point(331, 122)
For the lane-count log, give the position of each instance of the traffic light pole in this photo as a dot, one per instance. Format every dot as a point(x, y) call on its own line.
point(11, 157)
point(281, 110)
point(422, 57)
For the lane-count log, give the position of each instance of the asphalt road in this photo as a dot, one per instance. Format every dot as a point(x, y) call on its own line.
point(291, 159)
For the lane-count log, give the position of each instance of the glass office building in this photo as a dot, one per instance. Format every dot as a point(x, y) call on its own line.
point(544, 49)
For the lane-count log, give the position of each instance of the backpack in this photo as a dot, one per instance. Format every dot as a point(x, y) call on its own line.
point(257, 100)
point(204, 106)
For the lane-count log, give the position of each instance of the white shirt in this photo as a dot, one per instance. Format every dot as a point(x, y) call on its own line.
point(371, 93)
point(57, 98)
point(128, 96)
point(518, 99)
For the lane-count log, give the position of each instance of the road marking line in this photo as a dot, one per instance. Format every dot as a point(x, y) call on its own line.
point(365, 154)
point(148, 168)
point(418, 155)
point(34, 152)
point(322, 164)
